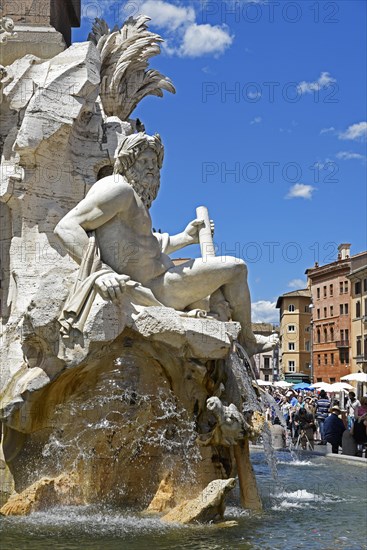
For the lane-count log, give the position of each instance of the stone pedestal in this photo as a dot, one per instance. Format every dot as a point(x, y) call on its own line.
point(42, 41)
point(349, 444)
point(43, 27)
point(122, 420)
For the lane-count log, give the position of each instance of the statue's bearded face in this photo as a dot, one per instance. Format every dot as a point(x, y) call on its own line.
point(144, 176)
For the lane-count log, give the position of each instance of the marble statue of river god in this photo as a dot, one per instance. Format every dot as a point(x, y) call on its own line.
point(117, 210)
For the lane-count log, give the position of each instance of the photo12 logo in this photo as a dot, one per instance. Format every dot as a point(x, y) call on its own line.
point(270, 252)
point(114, 10)
point(267, 172)
point(325, 90)
point(256, 11)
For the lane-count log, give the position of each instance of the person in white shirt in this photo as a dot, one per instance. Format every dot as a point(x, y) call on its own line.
point(351, 405)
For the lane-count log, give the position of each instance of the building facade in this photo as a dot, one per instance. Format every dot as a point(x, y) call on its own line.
point(266, 364)
point(295, 336)
point(358, 283)
point(330, 288)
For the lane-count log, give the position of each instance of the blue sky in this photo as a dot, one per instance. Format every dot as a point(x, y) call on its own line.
point(267, 128)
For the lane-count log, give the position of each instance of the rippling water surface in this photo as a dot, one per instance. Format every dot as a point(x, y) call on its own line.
point(316, 503)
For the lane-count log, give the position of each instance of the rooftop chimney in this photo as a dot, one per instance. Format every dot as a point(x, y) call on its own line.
point(344, 250)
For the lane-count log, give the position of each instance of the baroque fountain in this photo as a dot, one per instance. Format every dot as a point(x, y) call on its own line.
point(127, 398)
point(123, 378)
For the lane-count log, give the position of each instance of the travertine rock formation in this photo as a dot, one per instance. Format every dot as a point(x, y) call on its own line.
point(43, 494)
point(208, 506)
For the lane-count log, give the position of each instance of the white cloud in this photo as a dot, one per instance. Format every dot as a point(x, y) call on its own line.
point(322, 82)
point(256, 120)
point(300, 191)
point(253, 95)
point(207, 70)
point(297, 283)
point(178, 23)
point(323, 164)
point(183, 35)
point(165, 15)
point(327, 130)
point(349, 155)
point(205, 39)
point(264, 311)
point(356, 131)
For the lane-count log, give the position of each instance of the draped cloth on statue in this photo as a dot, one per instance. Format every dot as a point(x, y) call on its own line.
point(80, 299)
point(79, 302)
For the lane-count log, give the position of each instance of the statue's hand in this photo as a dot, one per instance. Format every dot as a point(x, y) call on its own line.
point(111, 285)
point(192, 230)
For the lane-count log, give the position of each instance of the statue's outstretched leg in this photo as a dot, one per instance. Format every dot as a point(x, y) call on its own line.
point(192, 281)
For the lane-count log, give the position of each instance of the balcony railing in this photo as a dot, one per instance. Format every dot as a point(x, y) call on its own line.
point(342, 344)
point(361, 358)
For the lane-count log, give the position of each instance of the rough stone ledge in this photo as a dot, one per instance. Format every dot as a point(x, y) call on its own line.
point(44, 494)
point(202, 338)
point(199, 338)
point(207, 507)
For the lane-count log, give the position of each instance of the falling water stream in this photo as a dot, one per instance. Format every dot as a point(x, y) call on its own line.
point(267, 398)
point(253, 401)
point(169, 429)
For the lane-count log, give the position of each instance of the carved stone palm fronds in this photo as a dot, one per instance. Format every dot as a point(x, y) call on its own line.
point(125, 55)
point(99, 29)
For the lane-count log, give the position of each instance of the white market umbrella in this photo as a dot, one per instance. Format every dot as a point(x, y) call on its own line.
point(341, 386)
point(322, 386)
point(263, 383)
point(282, 384)
point(355, 377)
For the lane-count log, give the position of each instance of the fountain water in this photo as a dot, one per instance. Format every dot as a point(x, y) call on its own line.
point(269, 400)
point(301, 506)
point(253, 400)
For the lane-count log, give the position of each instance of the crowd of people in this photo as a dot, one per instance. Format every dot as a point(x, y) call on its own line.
point(316, 418)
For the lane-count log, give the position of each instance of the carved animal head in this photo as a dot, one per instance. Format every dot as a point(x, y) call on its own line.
point(214, 405)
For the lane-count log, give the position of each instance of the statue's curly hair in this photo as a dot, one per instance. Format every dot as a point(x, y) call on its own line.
point(131, 148)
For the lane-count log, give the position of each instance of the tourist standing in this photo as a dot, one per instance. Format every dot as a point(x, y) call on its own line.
point(334, 427)
point(359, 430)
point(285, 408)
point(322, 411)
point(306, 426)
point(351, 405)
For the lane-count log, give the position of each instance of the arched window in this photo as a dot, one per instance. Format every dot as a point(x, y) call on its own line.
point(318, 336)
point(291, 308)
point(325, 334)
point(331, 334)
